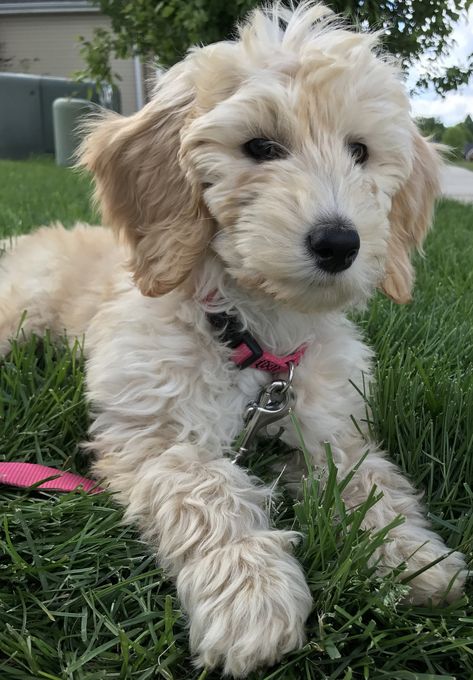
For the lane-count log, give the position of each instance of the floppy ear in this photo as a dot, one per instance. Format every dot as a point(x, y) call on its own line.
point(142, 188)
point(410, 218)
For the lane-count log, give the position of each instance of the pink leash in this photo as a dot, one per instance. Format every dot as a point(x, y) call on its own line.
point(24, 475)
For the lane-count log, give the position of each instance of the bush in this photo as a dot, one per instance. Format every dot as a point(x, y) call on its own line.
point(457, 137)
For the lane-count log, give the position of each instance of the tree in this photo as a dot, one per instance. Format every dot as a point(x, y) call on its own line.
point(468, 123)
point(167, 28)
point(431, 127)
point(457, 137)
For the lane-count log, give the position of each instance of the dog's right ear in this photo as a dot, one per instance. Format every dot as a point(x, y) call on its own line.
point(142, 189)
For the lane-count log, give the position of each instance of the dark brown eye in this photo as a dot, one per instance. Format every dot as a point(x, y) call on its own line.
point(359, 152)
point(263, 150)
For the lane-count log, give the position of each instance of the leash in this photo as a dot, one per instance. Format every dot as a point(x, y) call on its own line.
point(275, 401)
point(24, 475)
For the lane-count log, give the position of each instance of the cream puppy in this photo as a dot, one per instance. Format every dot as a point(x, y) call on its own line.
point(279, 178)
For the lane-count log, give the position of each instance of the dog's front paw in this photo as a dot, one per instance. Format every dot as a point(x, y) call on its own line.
point(247, 602)
point(441, 582)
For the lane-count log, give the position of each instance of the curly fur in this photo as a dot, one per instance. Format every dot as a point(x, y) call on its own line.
point(196, 216)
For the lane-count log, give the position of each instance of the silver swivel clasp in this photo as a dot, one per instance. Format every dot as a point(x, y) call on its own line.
point(275, 401)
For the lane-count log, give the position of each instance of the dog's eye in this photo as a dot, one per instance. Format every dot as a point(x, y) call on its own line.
point(359, 152)
point(263, 149)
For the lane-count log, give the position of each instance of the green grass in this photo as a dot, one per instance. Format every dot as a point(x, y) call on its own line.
point(38, 192)
point(80, 596)
point(468, 165)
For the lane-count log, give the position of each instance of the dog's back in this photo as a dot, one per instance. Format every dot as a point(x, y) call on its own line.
point(59, 277)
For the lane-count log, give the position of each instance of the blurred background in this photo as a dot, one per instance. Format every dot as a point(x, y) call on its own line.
point(114, 46)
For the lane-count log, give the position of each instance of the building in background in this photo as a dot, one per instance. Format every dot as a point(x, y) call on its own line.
point(41, 38)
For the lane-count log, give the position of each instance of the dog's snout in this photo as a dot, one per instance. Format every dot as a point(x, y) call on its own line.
point(334, 244)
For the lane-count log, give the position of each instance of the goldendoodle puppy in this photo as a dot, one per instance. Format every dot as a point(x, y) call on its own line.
point(272, 182)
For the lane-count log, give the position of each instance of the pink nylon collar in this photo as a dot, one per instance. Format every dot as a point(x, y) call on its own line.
point(247, 352)
point(267, 361)
point(24, 475)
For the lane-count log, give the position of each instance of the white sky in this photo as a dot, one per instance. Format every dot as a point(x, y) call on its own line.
point(456, 105)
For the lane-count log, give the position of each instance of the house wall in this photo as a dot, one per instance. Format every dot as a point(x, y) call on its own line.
point(47, 44)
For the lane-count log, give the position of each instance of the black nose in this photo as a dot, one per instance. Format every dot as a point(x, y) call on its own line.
point(334, 246)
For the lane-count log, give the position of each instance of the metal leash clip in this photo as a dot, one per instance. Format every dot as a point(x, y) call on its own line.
point(275, 401)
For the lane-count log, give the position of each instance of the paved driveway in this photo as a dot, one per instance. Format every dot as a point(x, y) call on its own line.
point(457, 183)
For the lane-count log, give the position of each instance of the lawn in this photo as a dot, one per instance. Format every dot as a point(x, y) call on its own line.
point(468, 165)
point(82, 599)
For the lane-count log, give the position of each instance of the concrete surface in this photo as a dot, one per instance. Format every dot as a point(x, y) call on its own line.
point(457, 183)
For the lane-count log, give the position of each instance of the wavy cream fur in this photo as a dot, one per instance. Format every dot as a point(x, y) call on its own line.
point(198, 217)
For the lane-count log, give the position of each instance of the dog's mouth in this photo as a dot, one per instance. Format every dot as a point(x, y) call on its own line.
point(326, 270)
point(315, 292)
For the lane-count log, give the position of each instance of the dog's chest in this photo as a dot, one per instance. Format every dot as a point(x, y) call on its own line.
point(170, 379)
point(326, 400)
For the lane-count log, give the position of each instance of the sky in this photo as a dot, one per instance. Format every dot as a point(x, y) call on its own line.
point(455, 106)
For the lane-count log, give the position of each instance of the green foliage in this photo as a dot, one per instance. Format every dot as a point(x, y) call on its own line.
point(468, 123)
point(431, 127)
point(158, 30)
point(164, 30)
point(457, 137)
point(82, 599)
point(468, 165)
point(96, 54)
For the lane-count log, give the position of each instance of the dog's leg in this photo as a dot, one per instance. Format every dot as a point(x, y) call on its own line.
point(167, 406)
point(19, 320)
point(412, 542)
point(244, 592)
point(322, 410)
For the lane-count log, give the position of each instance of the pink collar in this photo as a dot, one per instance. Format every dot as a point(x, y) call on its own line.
point(247, 352)
point(244, 357)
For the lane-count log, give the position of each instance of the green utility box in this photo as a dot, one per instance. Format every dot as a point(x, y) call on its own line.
point(26, 115)
point(68, 114)
point(21, 122)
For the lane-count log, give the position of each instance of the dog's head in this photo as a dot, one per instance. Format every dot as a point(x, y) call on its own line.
point(290, 153)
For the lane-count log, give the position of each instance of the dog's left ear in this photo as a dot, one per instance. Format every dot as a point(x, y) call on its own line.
point(410, 218)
